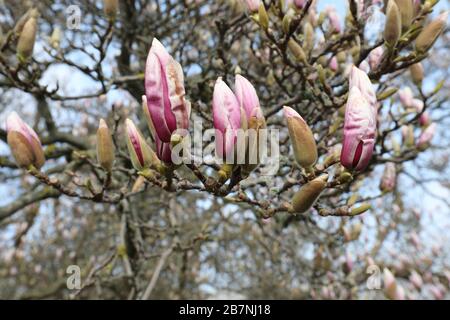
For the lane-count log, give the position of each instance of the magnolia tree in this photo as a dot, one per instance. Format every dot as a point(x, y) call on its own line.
point(243, 149)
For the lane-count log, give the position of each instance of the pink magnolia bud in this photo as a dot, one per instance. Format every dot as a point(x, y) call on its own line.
point(406, 97)
point(253, 5)
point(426, 136)
point(375, 57)
point(348, 264)
point(416, 280)
point(359, 79)
point(417, 104)
point(388, 179)
point(24, 142)
point(300, 3)
point(436, 292)
point(141, 155)
point(246, 96)
point(163, 149)
point(226, 118)
point(391, 289)
point(164, 89)
point(424, 119)
point(333, 64)
point(359, 132)
point(334, 19)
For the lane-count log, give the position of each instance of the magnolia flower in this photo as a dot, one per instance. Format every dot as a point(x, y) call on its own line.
point(251, 119)
point(375, 57)
point(141, 155)
point(24, 143)
point(163, 149)
point(253, 5)
point(389, 177)
point(359, 79)
point(164, 89)
point(359, 131)
point(226, 118)
point(247, 98)
point(426, 136)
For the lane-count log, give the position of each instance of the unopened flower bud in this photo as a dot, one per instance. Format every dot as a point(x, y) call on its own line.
point(105, 146)
point(430, 33)
point(308, 30)
point(302, 139)
point(393, 26)
point(416, 279)
point(391, 289)
point(408, 135)
point(359, 132)
point(424, 119)
point(416, 71)
point(24, 143)
point(426, 136)
point(352, 200)
point(253, 5)
point(361, 209)
point(27, 39)
point(297, 51)
point(287, 19)
point(345, 177)
point(406, 9)
point(388, 179)
point(333, 65)
point(387, 93)
point(141, 155)
point(55, 38)
point(263, 17)
point(110, 8)
point(375, 57)
point(304, 199)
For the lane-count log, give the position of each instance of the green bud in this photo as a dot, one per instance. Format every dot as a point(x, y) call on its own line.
point(287, 19)
point(416, 71)
point(263, 17)
point(27, 39)
point(308, 30)
point(361, 209)
point(345, 177)
point(55, 38)
point(341, 57)
point(308, 194)
point(297, 51)
point(393, 26)
point(105, 147)
point(351, 201)
point(386, 93)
